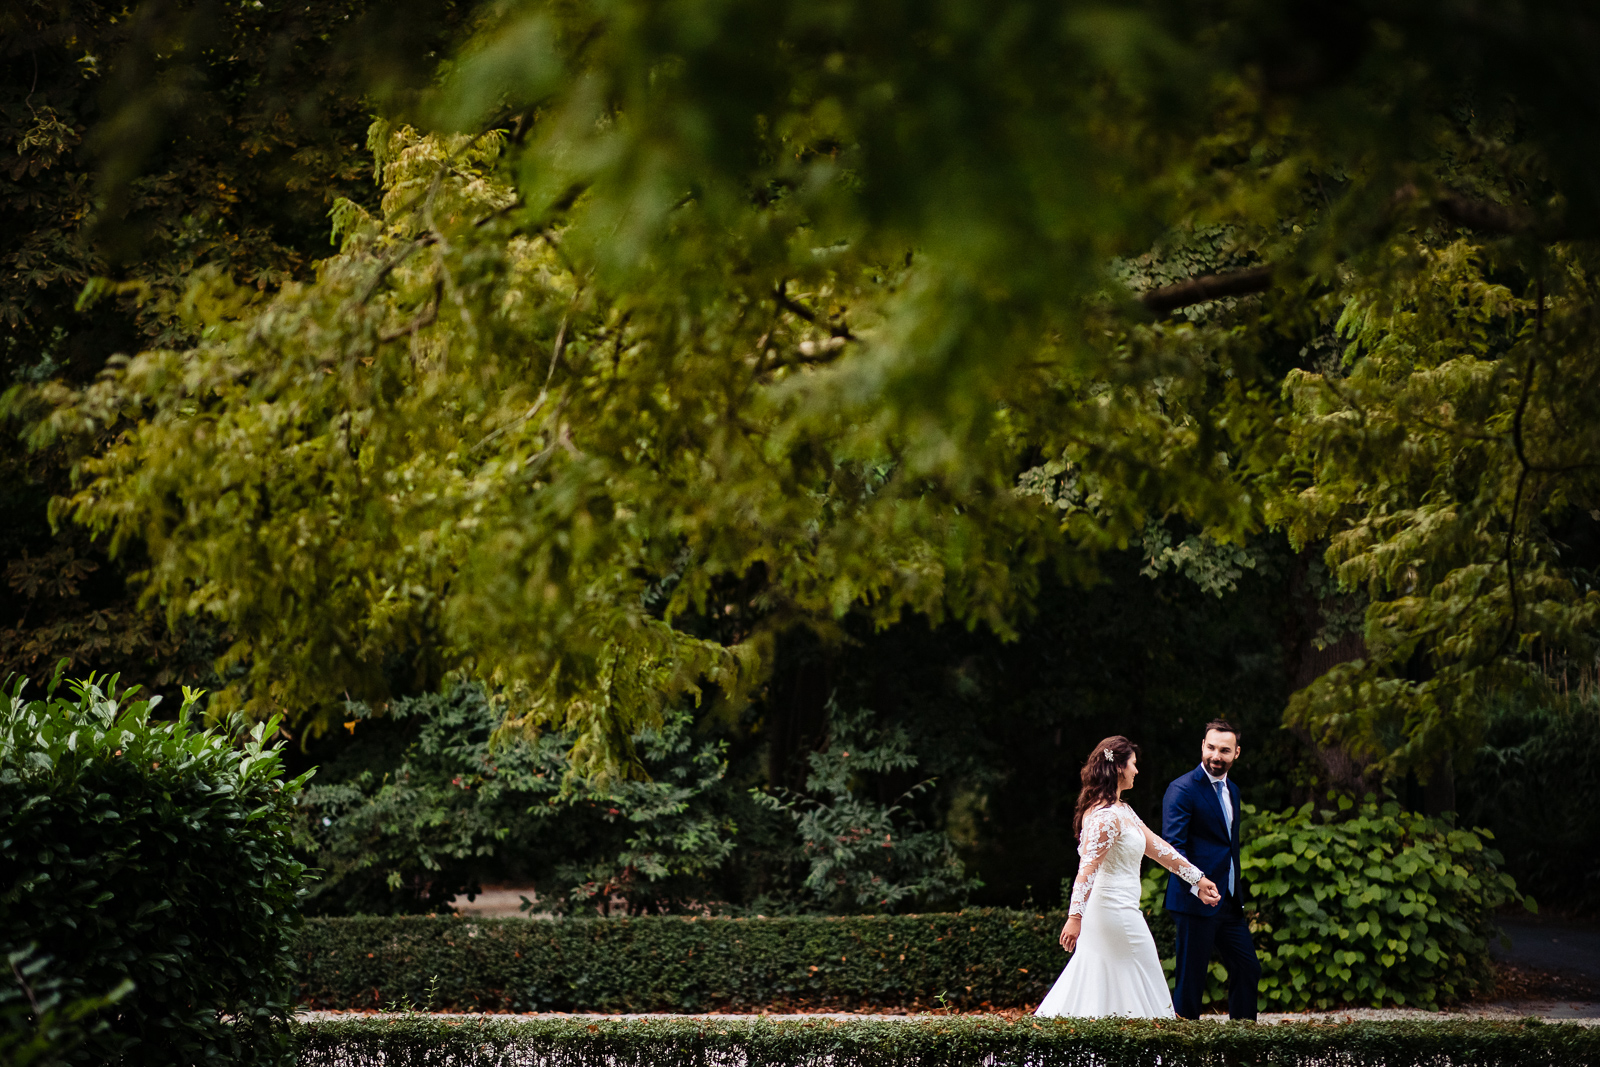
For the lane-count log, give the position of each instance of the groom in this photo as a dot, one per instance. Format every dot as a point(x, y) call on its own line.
point(1200, 818)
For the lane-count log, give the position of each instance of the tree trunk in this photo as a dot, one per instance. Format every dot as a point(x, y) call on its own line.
point(796, 719)
point(1306, 663)
point(1439, 793)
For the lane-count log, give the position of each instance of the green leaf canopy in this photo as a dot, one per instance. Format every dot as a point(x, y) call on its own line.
point(757, 313)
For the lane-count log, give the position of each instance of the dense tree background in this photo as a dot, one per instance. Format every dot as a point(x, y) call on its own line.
point(152, 141)
point(704, 369)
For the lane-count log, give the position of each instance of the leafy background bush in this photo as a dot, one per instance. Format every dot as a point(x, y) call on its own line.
point(862, 853)
point(157, 853)
point(936, 1042)
point(1362, 904)
point(674, 963)
point(395, 832)
point(437, 802)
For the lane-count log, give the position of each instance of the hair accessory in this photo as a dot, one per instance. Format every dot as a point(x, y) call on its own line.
point(1111, 757)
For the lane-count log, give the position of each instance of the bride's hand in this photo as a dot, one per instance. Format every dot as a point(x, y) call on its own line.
point(1210, 895)
point(1069, 932)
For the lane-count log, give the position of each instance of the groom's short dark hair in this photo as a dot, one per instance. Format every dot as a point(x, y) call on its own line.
point(1223, 726)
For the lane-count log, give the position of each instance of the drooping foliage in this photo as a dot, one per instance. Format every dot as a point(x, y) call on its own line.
point(1446, 463)
point(765, 312)
point(142, 142)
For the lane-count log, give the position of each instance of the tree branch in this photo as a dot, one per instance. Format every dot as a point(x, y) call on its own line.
point(1483, 215)
point(780, 294)
point(1487, 216)
point(1207, 287)
point(424, 318)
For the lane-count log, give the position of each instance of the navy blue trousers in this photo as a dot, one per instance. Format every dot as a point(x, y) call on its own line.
point(1228, 934)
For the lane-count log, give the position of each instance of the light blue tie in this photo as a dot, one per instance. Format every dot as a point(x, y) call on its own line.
point(1227, 818)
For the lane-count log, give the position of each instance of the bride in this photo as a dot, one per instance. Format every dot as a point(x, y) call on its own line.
point(1115, 969)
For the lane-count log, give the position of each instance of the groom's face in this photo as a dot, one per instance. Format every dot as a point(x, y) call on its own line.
point(1218, 751)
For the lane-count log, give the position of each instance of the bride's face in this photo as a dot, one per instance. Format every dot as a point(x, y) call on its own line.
point(1126, 776)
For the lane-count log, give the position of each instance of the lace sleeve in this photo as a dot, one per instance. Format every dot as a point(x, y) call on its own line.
point(1101, 828)
point(1169, 857)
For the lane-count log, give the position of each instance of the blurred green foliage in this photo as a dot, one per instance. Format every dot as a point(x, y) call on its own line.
point(680, 329)
point(409, 834)
point(154, 853)
point(38, 1025)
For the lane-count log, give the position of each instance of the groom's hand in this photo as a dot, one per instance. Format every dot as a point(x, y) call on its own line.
point(1210, 895)
point(1069, 932)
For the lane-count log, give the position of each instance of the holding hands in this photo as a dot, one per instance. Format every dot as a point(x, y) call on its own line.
point(1209, 895)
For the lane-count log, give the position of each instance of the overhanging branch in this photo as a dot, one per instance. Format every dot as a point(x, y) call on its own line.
point(1169, 298)
point(1484, 215)
point(793, 307)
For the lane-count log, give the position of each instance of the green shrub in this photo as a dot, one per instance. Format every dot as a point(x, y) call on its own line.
point(429, 802)
point(1362, 905)
point(671, 963)
point(860, 853)
point(155, 853)
point(935, 1042)
point(408, 835)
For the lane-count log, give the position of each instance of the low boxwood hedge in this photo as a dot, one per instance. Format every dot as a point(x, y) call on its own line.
point(669, 963)
point(422, 1041)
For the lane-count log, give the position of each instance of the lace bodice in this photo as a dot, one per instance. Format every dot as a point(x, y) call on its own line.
point(1113, 842)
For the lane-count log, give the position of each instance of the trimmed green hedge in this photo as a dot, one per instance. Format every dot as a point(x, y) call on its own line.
point(421, 1041)
point(669, 963)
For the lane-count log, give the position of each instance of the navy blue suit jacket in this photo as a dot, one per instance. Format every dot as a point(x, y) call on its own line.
point(1192, 822)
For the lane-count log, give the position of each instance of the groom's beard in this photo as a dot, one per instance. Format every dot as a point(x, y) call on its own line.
point(1217, 768)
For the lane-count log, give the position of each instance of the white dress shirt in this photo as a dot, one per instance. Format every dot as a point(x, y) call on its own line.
point(1227, 798)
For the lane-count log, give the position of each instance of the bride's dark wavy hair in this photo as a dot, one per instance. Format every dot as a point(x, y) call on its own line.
point(1100, 776)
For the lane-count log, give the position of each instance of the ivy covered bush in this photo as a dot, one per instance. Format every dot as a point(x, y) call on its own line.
point(1362, 904)
point(155, 853)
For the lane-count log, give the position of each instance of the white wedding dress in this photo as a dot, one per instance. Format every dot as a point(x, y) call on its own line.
point(1115, 970)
